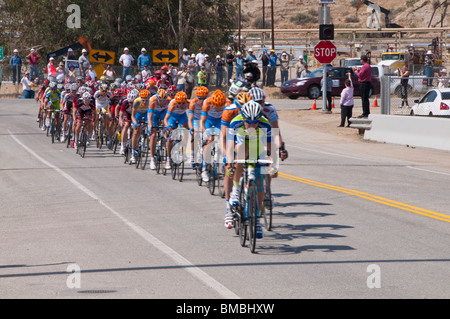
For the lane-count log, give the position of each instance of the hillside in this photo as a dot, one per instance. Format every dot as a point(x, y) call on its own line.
point(406, 13)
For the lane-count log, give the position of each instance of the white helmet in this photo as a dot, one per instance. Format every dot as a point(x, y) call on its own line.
point(132, 95)
point(86, 96)
point(257, 94)
point(251, 111)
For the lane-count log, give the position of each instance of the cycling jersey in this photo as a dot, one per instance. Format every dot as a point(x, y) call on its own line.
point(53, 99)
point(126, 109)
point(230, 112)
point(84, 110)
point(213, 114)
point(177, 113)
point(195, 107)
point(158, 108)
point(102, 101)
point(140, 106)
point(269, 112)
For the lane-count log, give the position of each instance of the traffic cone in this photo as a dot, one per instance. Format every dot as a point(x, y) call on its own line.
point(332, 102)
point(375, 103)
point(314, 107)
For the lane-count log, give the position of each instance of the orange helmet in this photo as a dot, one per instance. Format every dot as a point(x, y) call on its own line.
point(161, 94)
point(243, 98)
point(181, 97)
point(218, 99)
point(150, 82)
point(144, 94)
point(202, 91)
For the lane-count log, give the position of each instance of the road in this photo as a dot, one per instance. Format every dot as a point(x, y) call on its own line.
point(353, 219)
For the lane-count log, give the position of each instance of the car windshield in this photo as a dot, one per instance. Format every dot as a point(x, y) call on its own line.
point(352, 62)
point(390, 57)
point(315, 74)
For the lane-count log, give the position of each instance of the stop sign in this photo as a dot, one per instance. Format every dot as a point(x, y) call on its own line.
point(325, 52)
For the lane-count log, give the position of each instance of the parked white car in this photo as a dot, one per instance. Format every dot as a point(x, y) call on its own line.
point(435, 102)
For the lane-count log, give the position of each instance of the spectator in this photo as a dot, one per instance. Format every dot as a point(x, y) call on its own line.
point(60, 73)
point(202, 76)
point(346, 101)
point(273, 58)
point(144, 59)
point(190, 78)
point(284, 66)
point(265, 58)
point(72, 73)
point(250, 57)
point(443, 80)
point(254, 70)
point(365, 84)
point(305, 72)
point(192, 64)
point(91, 73)
point(404, 74)
point(109, 74)
point(200, 57)
point(33, 60)
point(229, 58)
point(28, 93)
point(16, 66)
point(329, 88)
point(185, 57)
point(181, 79)
point(70, 55)
point(208, 68)
point(126, 60)
point(429, 63)
point(84, 63)
point(239, 66)
point(146, 73)
point(51, 69)
point(218, 66)
point(299, 67)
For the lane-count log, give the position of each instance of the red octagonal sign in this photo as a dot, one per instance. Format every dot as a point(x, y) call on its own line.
point(325, 52)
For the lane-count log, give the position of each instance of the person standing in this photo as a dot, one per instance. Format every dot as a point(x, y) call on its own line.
point(144, 59)
point(28, 93)
point(126, 60)
point(218, 66)
point(346, 102)
point(51, 69)
point(239, 66)
point(404, 74)
point(16, 66)
point(181, 79)
point(284, 67)
point(250, 57)
point(202, 76)
point(84, 63)
point(70, 55)
point(200, 57)
point(429, 64)
point(265, 67)
point(208, 68)
point(299, 67)
point(185, 57)
point(271, 74)
point(190, 78)
point(229, 59)
point(33, 60)
point(365, 84)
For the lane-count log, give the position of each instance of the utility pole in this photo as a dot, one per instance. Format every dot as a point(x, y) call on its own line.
point(273, 27)
point(180, 29)
point(239, 27)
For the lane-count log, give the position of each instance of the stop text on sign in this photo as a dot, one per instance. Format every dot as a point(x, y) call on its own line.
point(325, 52)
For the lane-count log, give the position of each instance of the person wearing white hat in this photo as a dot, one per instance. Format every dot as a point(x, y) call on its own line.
point(16, 65)
point(239, 66)
point(229, 59)
point(443, 80)
point(429, 64)
point(126, 60)
point(144, 59)
point(51, 69)
point(284, 66)
point(251, 56)
point(185, 57)
point(84, 63)
point(218, 66)
point(33, 60)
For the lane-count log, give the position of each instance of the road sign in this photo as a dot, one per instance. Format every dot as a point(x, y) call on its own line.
point(165, 56)
point(325, 52)
point(1, 53)
point(100, 56)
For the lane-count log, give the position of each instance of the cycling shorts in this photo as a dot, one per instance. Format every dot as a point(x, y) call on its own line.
point(53, 106)
point(180, 118)
point(139, 117)
point(157, 116)
point(81, 114)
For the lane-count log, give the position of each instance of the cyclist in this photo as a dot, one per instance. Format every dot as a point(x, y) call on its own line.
point(113, 112)
point(40, 97)
point(139, 115)
point(157, 111)
point(176, 116)
point(52, 103)
point(228, 115)
point(83, 108)
point(126, 109)
point(69, 100)
point(210, 118)
point(194, 113)
point(102, 100)
point(150, 85)
point(246, 137)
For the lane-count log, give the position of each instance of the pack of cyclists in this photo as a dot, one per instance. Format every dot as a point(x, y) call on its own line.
point(155, 102)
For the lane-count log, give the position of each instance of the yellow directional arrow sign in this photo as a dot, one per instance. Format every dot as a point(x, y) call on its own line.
point(100, 56)
point(165, 56)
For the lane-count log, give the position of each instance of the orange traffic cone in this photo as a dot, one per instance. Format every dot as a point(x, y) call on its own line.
point(375, 103)
point(314, 107)
point(332, 102)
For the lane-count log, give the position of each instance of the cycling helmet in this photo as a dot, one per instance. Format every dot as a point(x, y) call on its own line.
point(118, 92)
point(150, 82)
point(74, 87)
point(161, 94)
point(67, 87)
point(257, 94)
point(52, 85)
point(104, 87)
point(243, 98)
point(86, 96)
point(112, 86)
point(181, 97)
point(251, 111)
point(129, 78)
point(202, 91)
point(103, 78)
point(218, 99)
point(46, 82)
point(145, 94)
point(132, 95)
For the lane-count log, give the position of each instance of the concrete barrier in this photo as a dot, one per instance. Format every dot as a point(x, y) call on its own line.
point(429, 132)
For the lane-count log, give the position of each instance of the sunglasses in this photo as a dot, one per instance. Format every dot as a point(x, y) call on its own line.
point(251, 122)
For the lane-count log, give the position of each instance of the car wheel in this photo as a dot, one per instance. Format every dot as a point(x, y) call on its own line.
point(313, 92)
point(430, 114)
point(293, 97)
point(412, 113)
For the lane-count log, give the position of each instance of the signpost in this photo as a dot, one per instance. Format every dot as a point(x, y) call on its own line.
point(165, 56)
point(1, 54)
point(101, 56)
point(325, 52)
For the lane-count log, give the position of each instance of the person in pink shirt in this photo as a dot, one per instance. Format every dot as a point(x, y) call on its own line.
point(33, 60)
point(346, 102)
point(365, 84)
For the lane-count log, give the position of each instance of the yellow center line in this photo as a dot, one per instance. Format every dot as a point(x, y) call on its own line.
point(374, 198)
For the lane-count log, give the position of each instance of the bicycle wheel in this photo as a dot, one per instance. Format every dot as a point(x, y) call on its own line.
point(53, 130)
point(212, 178)
point(180, 171)
point(267, 209)
point(145, 151)
point(163, 158)
point(69, 133)
point(243, 222)
point(198, 174)
point(83, 142)
point(252, 208)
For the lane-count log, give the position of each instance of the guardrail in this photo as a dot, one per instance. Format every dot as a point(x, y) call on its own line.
point(362, 124)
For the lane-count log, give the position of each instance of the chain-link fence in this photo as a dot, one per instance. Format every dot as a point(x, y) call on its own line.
point(407, 96)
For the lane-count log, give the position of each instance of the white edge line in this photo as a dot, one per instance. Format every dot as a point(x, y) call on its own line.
point(195, 271)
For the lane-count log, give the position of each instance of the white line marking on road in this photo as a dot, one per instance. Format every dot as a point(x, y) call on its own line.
point(191, 268)
point(427, 170)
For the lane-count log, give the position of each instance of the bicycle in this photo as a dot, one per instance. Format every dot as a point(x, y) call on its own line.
point(198, 156)
point(82, 138)
point(69, 130)
point(246, 213)
point(177, 156)
point(142, 150)
point(267, 203)
point(52, 129)
point(215, 168)
point(100, 133)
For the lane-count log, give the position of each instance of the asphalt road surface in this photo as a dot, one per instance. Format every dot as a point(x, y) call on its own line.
point(352, 219)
